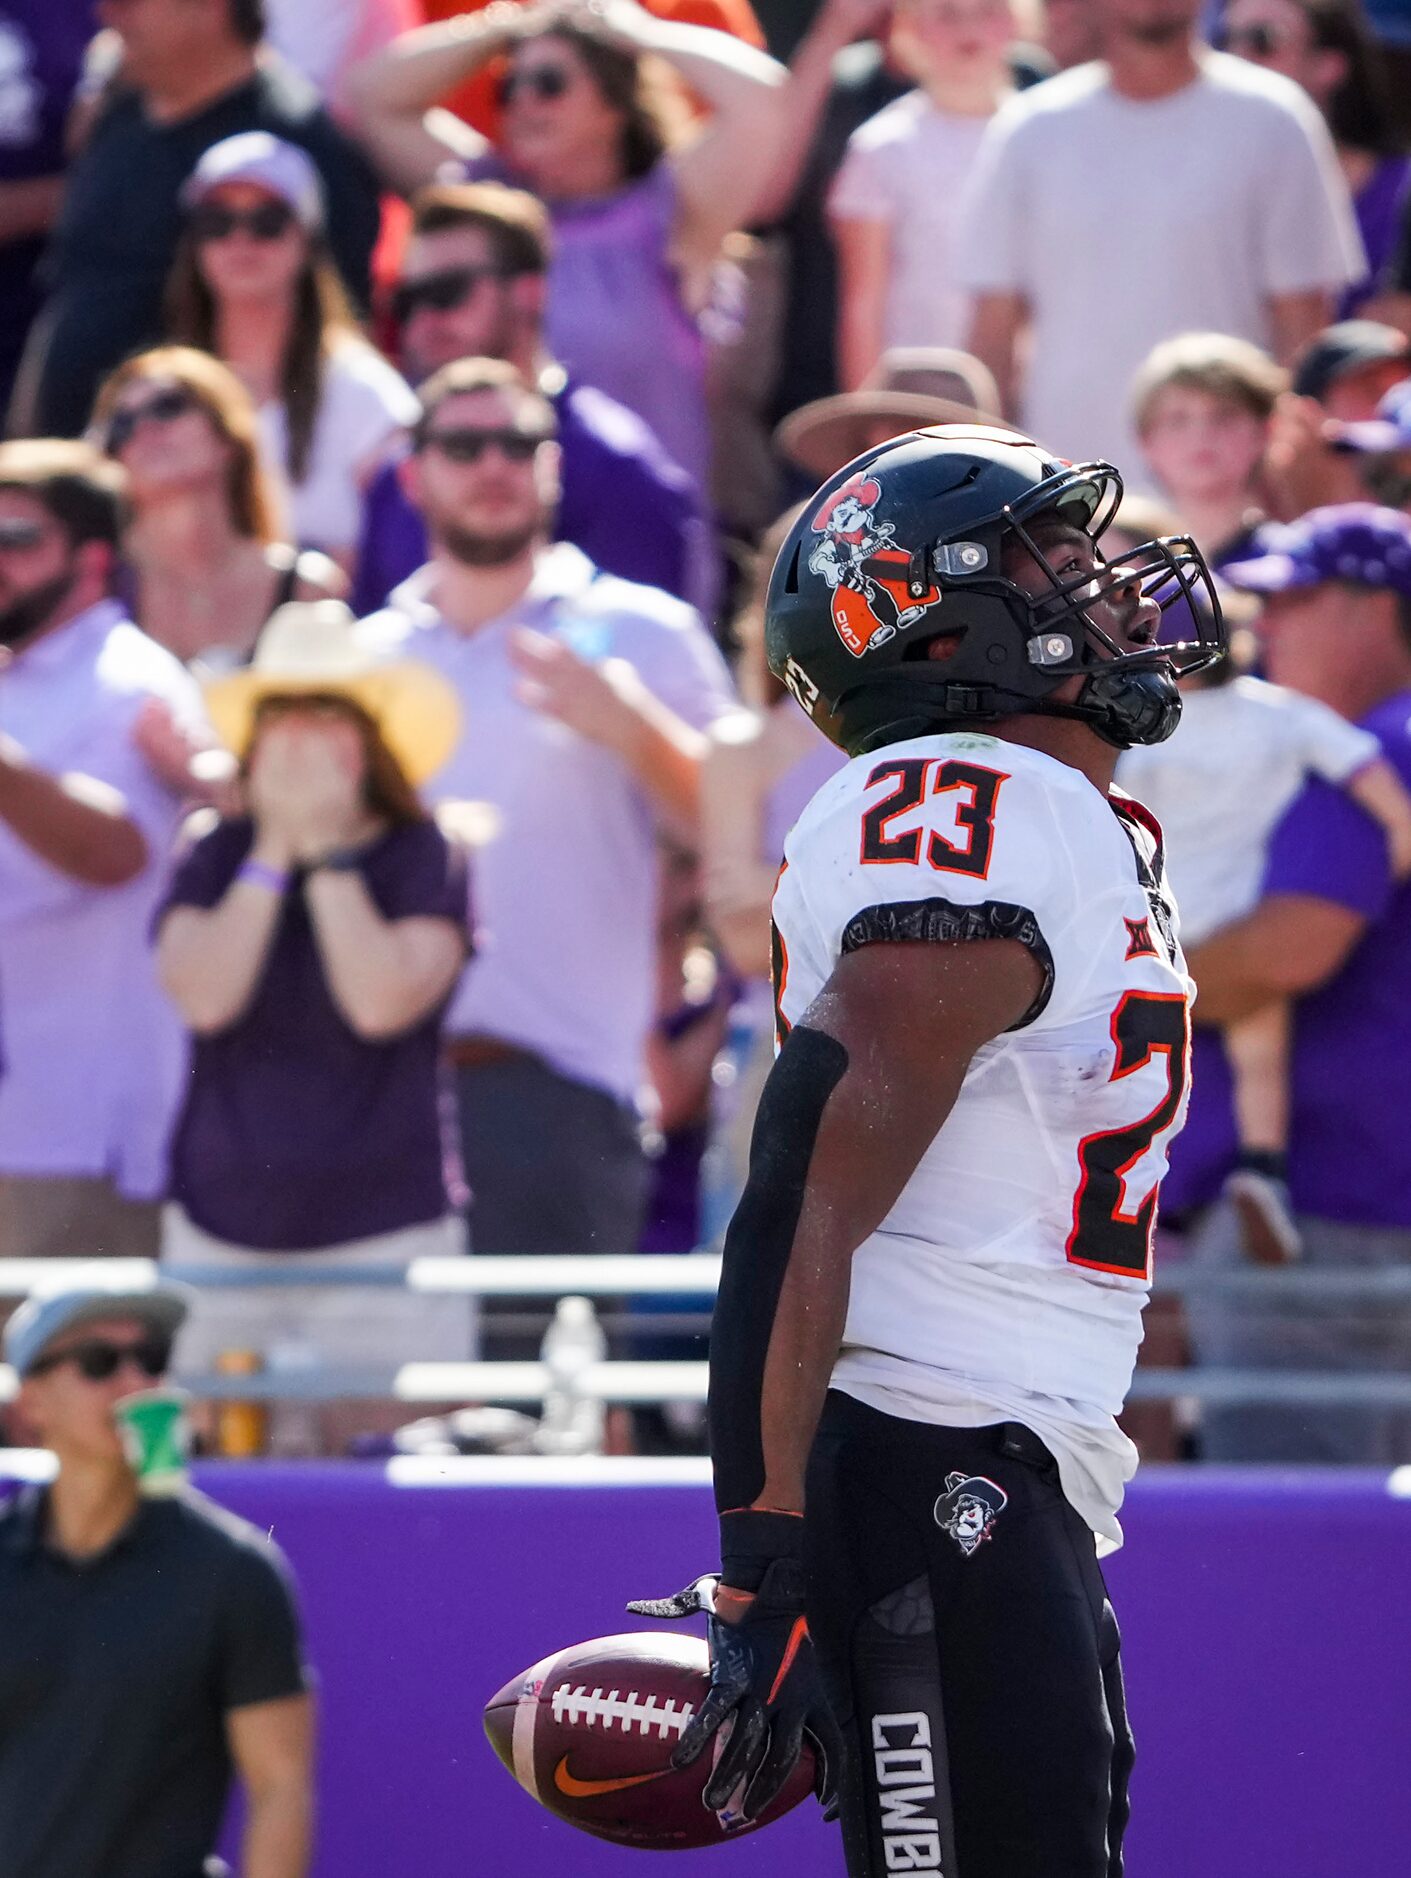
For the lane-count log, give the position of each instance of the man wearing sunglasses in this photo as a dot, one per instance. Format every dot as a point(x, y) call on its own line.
point(584, 698)
point(473, 285)
point(92, 1052)
point(148, 1646)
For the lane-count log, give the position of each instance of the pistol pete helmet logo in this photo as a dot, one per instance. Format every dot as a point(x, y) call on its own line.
point(869, 574)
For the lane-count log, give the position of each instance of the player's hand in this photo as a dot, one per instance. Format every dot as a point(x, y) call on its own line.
point(764, 1681)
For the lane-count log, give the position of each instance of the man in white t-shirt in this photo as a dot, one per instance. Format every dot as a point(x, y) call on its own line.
point(1170, 189)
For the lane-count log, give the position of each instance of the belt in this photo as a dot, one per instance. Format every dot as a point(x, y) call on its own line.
point(481, 1052)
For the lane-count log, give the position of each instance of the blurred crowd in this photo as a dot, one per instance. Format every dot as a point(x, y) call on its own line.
point(404, 404)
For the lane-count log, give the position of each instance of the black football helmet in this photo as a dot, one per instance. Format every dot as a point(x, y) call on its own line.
point(908, 543)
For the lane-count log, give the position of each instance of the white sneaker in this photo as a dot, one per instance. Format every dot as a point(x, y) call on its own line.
point(1265, 1213)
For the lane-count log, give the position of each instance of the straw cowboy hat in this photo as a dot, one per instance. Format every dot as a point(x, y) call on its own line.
point(310, 648)
point(909, 387)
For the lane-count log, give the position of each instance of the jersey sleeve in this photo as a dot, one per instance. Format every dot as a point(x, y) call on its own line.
point(941, 848)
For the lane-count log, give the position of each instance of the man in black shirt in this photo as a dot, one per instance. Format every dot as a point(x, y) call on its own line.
point(146, 1644)
point(193, 72)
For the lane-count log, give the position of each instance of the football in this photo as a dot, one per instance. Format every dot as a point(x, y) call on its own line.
point(590, 1731)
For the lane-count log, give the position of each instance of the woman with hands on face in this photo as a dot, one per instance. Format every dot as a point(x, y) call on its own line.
point(311, 943)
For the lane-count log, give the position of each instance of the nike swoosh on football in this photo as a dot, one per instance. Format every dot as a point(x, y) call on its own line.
point(585, 1789)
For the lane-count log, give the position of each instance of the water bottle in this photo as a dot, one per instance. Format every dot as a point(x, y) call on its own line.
point(295, 1433)
point(573, 1423)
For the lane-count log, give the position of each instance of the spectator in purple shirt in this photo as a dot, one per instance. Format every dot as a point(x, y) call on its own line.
point(311, 944)
point(473, 285)
point(1333, 931)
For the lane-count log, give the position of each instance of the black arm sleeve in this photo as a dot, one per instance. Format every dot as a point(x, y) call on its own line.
point(757, 1249)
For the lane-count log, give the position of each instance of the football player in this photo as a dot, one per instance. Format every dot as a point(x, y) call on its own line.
point(933, 1285)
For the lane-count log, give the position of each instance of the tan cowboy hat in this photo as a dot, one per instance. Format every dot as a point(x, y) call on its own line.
point(310, 648)
point(909, 387)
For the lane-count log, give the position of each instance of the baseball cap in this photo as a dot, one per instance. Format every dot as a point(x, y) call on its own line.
point(1355, 542)
point(1389, 430)
point(1344, 348)
point(255, 156)
point(44, 1316)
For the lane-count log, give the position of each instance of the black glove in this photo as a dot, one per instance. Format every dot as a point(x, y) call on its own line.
point(763, 1677)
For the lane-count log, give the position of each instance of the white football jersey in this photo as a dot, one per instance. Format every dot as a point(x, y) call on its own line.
point(1008, 1280)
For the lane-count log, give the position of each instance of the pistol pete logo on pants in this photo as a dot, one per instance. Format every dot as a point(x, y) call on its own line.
point(905, 1771)
point(968, 1509)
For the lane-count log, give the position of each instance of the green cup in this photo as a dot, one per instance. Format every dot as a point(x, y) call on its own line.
point(156, 1436)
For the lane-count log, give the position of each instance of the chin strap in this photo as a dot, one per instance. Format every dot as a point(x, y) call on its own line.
point(1120, 705)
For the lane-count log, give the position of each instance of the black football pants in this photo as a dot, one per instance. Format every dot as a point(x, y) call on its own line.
point(969, 1651)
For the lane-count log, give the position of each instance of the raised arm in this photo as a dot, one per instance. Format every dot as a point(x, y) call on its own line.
point(393, 95)
point(722, 170)
point(805, 95)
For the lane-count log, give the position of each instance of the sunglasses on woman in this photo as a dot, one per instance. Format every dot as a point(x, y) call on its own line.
point(266, 222)
point(1251, 42)
point(165, 408)
point(544, 82)
point(98, 1360)
point(466, 445)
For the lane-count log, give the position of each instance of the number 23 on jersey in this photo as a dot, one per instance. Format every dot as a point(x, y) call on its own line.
point(1107, 1234)
point(914, 778)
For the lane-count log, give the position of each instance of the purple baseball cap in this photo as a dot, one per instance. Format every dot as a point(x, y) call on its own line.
point(254, 156)
point(1389, 430)
point(1355, 542)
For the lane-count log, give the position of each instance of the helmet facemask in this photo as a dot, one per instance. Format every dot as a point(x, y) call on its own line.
point(1130, 694)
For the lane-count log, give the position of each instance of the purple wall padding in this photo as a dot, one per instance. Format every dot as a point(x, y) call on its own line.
point(1266, 1618)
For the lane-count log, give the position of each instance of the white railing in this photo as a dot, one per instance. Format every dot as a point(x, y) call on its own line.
point(693, 1275)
